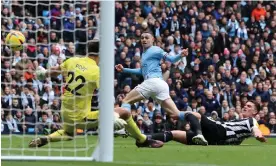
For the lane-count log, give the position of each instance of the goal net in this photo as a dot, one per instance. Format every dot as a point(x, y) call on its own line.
point(31, 107)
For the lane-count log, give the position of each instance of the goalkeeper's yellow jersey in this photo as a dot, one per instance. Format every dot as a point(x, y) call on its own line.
point(82, 78)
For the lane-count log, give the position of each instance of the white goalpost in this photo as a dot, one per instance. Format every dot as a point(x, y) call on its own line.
point(15, 146)
point(104, 151)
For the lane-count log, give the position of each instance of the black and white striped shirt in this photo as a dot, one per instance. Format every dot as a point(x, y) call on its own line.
point(238, 130)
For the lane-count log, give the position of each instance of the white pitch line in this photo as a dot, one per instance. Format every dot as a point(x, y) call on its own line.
point(162, 164)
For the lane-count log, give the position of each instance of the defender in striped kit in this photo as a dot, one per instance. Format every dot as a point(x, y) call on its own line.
point(218, 133)
point(238, 130)
point(229, 133)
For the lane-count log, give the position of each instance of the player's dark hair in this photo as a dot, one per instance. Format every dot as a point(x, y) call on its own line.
point(147, 31)
point(257, 105)
point(93, 48)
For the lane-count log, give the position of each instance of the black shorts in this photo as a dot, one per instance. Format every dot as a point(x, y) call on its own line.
point(214, 133)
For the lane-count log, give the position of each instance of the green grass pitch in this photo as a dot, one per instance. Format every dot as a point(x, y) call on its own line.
point(251, 153)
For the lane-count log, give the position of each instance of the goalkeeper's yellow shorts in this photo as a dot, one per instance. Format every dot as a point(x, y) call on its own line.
point(71, 123)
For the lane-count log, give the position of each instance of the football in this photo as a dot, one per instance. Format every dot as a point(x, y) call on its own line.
point(15, 40)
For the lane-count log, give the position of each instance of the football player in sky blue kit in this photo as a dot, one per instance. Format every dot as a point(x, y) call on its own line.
point(154, 86)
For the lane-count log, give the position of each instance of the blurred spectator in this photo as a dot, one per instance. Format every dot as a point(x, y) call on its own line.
point(258, 12)
point(173, 124)
point(48, 95)
point(29, 121)
point(272, 103)
point(70, 51)
point(23, 65)
point(142, 126)
point(225, 117)
point(19, 118)
point(232, 25)
point(214, 116)
point(27, 98)
point(210, 103)
point(55, 105)
point(158, 124)
point(16, 58)
point(147, 120)
point(53, 59)
point(150, 109)
point(272, 125)
point(12, 124)
point(28, 75)
point(242, 32)
point(44, 123)
point(6, 98)
point(195, 106)
point(224, 108)
point(232, 114)
point(187, 127)
point(16, 105)
point(56, 124)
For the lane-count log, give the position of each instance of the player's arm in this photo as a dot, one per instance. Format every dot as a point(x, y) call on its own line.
point(52, 72)
point(120, 68)
point(256, 132)
point(175, 58)
point(133, 71)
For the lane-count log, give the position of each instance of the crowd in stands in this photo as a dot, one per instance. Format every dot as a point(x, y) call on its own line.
point(232, 57)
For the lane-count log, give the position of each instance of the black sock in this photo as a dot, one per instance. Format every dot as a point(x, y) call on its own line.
point(194, 123)
point(164, 137)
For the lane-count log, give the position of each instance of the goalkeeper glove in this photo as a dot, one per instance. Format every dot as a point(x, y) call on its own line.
point(118, 122)
point(40, 72)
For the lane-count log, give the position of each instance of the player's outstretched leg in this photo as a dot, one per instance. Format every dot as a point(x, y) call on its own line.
point(124, 112)
point(164, 137)
point(196, 128)
point(59, 135)
point(141, 139)
point(176, 135)
point(172, 110)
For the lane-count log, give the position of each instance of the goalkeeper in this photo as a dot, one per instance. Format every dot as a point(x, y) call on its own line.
point(82, 78)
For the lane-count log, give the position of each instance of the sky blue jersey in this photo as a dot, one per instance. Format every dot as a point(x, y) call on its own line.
point(150, 63)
